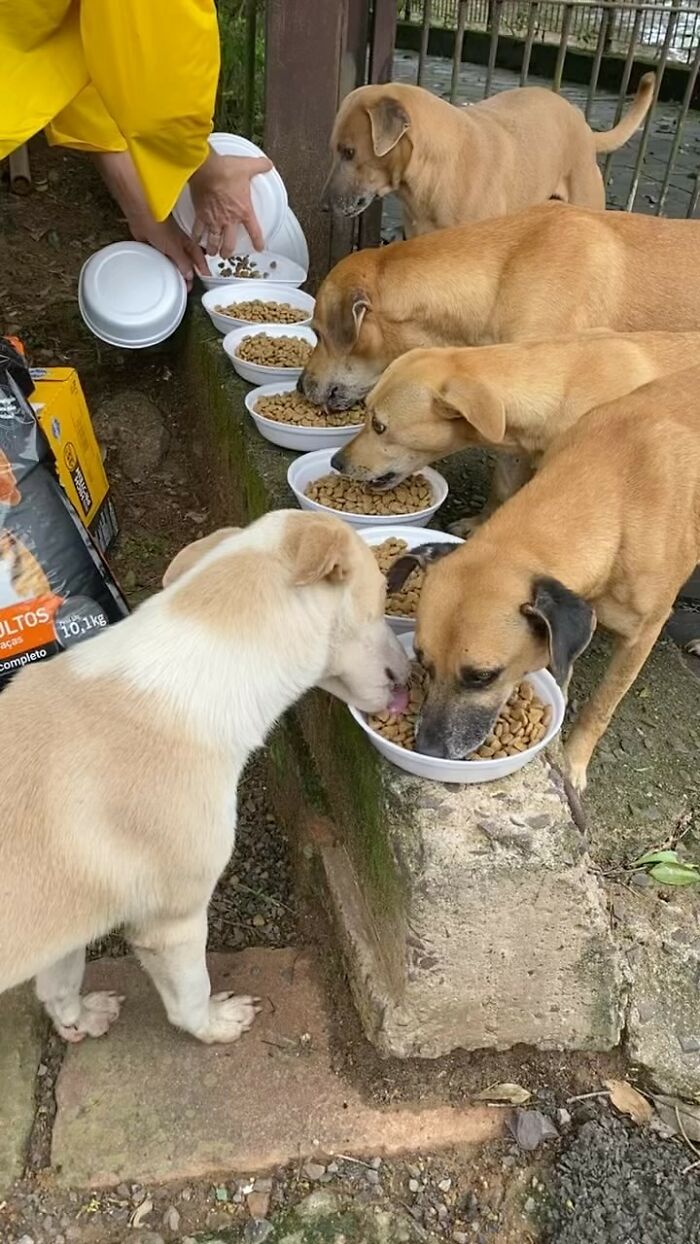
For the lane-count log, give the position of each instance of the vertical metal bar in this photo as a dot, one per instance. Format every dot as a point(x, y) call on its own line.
point(493, 46)
point(459, 44)
point(563, 43)
point(680, 122)
point(424, 37)
point(659, 68)
point(529, 40)
point(695, 197)
point(251, 14)
point(626, 73)
point(597, 60)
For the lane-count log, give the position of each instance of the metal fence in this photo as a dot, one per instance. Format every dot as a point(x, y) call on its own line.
point(645, 26)
point(612, 32)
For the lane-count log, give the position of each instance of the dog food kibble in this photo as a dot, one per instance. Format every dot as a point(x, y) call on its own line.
point(401, 604)
point(351, 497)
point(522, 723)
point(269, 351)
point(294, 408)
point(241, 266)
point(259, 312)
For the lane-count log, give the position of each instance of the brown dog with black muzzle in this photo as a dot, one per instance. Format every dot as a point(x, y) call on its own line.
point(449, 165)
point(548, 271)
point(515, 398)
point(608, 529)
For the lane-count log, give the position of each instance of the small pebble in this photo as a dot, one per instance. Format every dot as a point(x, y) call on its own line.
point(123, 1191)
point(413, 1185)
point(445, 1185)
point(171, 1219)
point(313, 1171)
point(372, 1177)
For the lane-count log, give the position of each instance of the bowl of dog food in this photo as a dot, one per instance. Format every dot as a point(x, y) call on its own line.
point(252, 266)
point(317, 486)
point(527, 723)
point(389, 544)
point(264, 353)
point(285, 417)
point(254, 302)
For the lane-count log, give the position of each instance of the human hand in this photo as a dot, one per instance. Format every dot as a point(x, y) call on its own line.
point(221, 196)
point(168, 238)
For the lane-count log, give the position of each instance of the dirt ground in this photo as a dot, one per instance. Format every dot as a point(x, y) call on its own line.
point(493, 1197)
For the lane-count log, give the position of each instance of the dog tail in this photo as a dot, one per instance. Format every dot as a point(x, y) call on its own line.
point(610, 140)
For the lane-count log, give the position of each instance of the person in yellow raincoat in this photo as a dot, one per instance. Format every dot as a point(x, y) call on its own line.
point(134, 83)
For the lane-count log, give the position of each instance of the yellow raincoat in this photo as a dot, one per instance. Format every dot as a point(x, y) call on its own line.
point(113, 75)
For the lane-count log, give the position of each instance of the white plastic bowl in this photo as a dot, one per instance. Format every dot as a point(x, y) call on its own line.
point(255, 373)
point(308, 468)
point(285, 271)
point(267, 192)
point(131, 296)
point(413, 536)
point(290, 241)
point(248, 291)
point(289, 435)
point(469, 771)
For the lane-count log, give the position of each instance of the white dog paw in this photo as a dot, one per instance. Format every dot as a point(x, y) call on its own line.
point(229, 1017)
point(577, 773)
point(466, 526)
point(693, 646)
point(98, 1012)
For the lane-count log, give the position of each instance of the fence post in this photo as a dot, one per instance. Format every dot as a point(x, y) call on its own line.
point(315, 53)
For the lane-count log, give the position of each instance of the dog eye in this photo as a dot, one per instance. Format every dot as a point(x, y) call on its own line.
point(475, 679)
point(347, 153)
point(378, 426)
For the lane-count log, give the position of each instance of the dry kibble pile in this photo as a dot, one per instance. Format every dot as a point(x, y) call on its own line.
point(522, 723)
point(401, 604)
point(296, 409)
point(269, 351)
point(352, 497)
point(259, 312)
point(243, 267)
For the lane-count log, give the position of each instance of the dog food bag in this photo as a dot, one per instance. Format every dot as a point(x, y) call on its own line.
point(55, 589)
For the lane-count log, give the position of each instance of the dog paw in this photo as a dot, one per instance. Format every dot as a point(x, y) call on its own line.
point(577, 775)
point(693, 646)
point(229, 1018)
point(466, 526)
point(98, 1012)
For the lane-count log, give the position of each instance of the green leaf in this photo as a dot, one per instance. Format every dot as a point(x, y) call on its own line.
point(657, 857)
point(675, 874)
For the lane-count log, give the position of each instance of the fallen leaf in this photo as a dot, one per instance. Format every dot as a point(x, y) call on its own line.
point(142, 1211)
point(628, 1101)
point(675, 874)
point(509, 1094)
point(657, 857)
point(530, 1128)
point(689, 1115)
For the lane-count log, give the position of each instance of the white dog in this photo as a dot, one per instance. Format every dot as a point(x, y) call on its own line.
point(121, 757)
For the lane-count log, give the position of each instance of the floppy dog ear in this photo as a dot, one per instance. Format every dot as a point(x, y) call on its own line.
point(193, 553)
point(345, 321)
point(422, 557)
point(478, 404)
point(565, 619)
point(388, 122)
point(319, 549)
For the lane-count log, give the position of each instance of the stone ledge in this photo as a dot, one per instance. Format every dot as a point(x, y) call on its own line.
point(22, 1029)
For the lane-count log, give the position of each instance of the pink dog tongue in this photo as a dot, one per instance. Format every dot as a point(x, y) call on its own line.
point(398, 702)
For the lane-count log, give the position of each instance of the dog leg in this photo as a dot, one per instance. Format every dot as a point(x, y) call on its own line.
point(173, 954)
point(510, 473)
point(627, 660)
point(75, 1016)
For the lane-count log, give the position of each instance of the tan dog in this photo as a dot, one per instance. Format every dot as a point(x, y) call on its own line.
point(516, 397)
point(609, 527)
point(548, 271)
point(126, 814)
point(449, 165)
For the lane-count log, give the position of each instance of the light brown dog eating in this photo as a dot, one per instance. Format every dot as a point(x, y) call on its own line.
point(609, 527)
point(449, 165)
point(515, 397)
point(548, 271)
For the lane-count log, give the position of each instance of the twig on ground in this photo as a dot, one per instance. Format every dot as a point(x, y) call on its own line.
point(586, 1096)
point(693, 1148)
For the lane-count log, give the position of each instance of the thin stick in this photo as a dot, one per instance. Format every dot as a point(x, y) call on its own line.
point(693, 1148)
point(587, 1096)
point(345, 1158)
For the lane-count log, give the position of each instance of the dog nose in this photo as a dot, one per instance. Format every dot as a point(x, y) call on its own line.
point(338, 461)
point(300, 384)
point(429, 742)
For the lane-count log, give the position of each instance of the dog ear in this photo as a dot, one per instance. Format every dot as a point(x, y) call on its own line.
point(318, 548)
point(345, 321)
point(421, 557)
point(566, 621)
point(479, 404)
point(188, 557)
point(388, 121)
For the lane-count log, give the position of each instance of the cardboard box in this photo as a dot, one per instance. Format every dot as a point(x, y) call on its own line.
point(62, 412)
